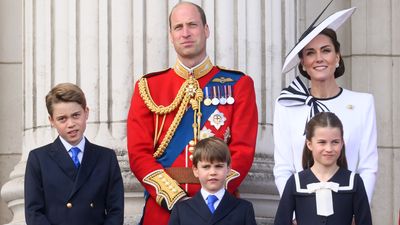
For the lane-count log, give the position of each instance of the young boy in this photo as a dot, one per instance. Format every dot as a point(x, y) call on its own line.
point(213, 204)
point(72, 181)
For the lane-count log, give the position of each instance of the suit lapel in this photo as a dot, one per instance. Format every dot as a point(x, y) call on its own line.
point(60, 155)
point(227, 204)
point(200, 207)
point(89, 160)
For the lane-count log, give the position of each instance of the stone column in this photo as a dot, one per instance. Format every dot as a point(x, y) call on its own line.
point(10, 98)
point(375, 68)
point(88, 43)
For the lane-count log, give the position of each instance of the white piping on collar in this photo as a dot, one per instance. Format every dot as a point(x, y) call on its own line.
point(341, 188)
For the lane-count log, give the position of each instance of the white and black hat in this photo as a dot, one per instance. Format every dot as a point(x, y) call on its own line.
point(334, 21)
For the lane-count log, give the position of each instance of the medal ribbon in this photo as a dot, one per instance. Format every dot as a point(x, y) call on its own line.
point(183, 133)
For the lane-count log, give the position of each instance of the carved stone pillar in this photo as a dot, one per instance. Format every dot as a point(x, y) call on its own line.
point(71, 41)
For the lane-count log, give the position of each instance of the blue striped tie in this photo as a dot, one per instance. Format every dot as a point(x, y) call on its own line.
point(75, 151)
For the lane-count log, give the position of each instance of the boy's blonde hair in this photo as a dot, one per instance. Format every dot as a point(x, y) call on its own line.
point(211, 149)
point(64, 92)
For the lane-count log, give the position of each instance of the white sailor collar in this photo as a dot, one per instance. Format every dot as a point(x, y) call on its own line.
point(344, 178)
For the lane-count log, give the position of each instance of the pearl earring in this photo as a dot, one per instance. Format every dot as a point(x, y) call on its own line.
point(337, 65)
point(304, 68)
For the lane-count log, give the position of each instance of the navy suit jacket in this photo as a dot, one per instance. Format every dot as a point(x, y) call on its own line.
point(57, 193)
point(230, 211)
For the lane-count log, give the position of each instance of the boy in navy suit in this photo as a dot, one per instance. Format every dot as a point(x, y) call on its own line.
point(72, 181)
point(212, 204)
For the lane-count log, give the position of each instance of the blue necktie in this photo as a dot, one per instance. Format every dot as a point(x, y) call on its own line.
point(75, 151)
point(211, 199)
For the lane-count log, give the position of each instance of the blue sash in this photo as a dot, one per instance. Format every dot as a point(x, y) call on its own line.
point(184, 131)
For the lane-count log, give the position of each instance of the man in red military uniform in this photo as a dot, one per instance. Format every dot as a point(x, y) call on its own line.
point(172, 109)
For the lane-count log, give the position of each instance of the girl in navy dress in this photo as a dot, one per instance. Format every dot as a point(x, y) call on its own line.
point(325, 192)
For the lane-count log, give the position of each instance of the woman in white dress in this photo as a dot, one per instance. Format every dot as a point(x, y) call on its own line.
point(321, 62)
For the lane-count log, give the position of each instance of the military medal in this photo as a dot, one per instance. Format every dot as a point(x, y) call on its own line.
point(215, 100)
point(222, 99)
point(230, 100)
point(206, 133)
point(217, 119)
point(207, 101)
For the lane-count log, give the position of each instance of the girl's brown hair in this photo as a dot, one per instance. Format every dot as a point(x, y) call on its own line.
point(323, 119)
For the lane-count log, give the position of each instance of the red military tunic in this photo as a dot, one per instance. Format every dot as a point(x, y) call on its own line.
point(239, 130)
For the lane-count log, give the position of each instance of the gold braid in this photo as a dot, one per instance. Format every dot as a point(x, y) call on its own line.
point(190, 91)
point(196, 103)
point(159, 110)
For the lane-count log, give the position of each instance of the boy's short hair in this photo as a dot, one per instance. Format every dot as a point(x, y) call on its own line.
point(211, 149)
point(64, 92)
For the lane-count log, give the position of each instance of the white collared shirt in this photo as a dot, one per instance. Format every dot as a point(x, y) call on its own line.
point(81, 146)
point(219, 194)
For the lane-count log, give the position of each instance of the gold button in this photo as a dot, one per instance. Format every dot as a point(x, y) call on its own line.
point(69, 205)
point(92, 205)
point(192, 143)
point(191, 149)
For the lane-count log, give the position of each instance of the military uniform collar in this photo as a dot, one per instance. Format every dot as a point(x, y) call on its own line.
point(197, 71)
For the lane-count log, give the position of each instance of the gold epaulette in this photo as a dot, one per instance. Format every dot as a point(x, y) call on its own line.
point(230, 70)
point(152, 74)
point(167, 189)
point(232, 175)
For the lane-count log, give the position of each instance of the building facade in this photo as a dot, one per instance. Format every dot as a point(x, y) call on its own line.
point(105, 46)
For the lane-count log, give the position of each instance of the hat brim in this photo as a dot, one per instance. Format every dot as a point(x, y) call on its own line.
point(334, 21)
